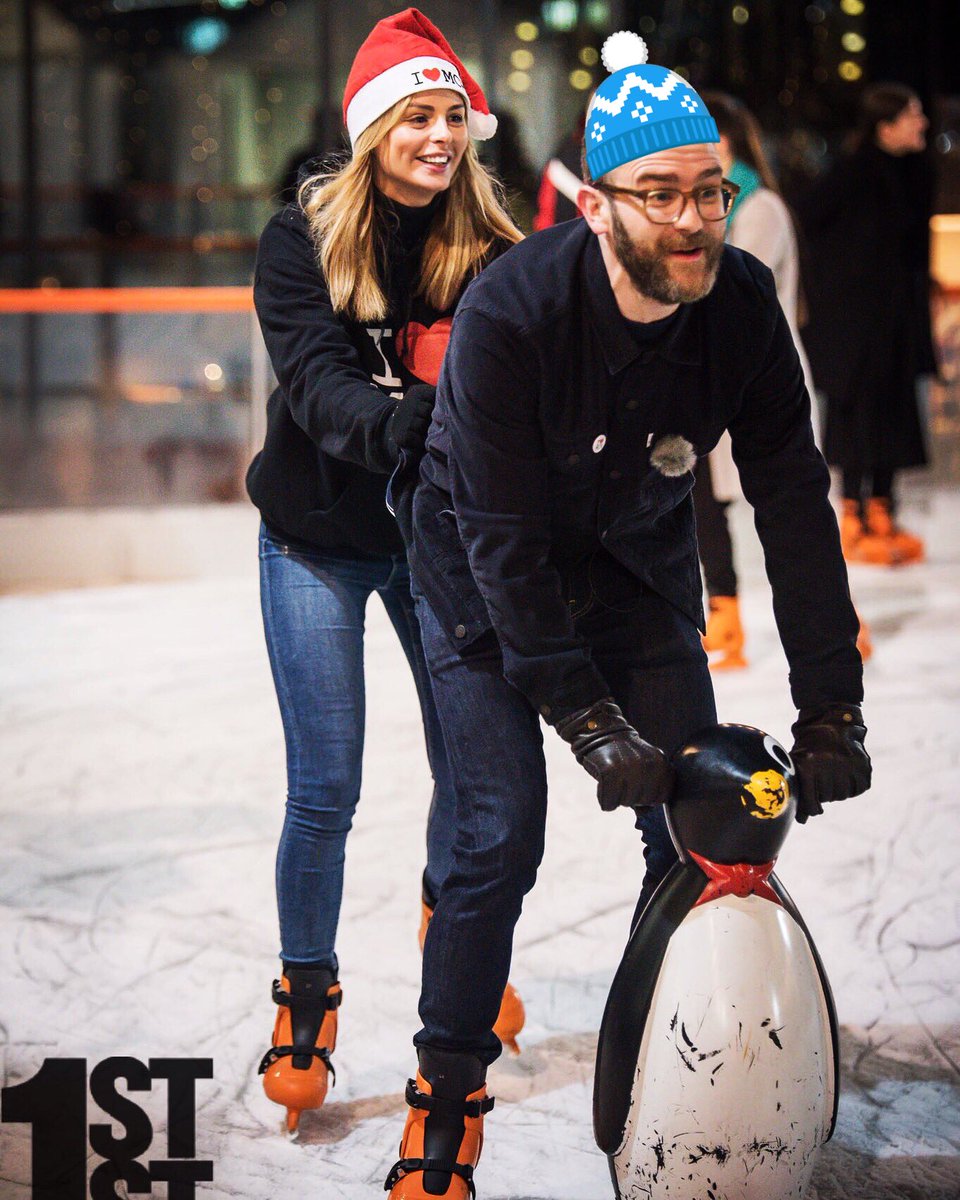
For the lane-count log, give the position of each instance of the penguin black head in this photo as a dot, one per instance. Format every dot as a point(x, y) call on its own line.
point(733, 801)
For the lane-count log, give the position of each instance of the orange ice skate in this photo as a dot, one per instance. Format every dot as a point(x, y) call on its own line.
point(295, 1069)
point(904, 547)
point(724, 635)
point(443, 1135)
point(864, 640)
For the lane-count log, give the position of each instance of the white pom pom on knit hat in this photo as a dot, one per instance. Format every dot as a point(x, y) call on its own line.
point(624, 49)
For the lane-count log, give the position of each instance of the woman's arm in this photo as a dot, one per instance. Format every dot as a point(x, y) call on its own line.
point(329, 394)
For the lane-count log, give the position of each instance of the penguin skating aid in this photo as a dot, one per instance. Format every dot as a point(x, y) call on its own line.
point(717, 1065)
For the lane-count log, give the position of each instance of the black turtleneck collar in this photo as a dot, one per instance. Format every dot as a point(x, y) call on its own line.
point(408, 223)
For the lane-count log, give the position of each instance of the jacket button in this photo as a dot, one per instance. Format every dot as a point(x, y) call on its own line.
point(545, 710)
point(632, 404)
point(573, 459)
point(460, 631)
point(614, 474)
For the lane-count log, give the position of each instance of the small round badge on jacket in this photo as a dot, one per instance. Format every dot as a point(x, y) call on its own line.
point(599, 442)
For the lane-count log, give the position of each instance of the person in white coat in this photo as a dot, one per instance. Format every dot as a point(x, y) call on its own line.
point(762, 225)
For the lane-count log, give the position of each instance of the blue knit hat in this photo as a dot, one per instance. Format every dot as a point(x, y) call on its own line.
point(640, 108)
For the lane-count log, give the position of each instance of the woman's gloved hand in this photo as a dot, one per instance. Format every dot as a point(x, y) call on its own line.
point(408, 426)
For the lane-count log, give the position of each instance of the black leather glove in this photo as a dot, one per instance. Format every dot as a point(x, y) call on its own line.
point(829, 757)
point(628, 770)
point(407, 427)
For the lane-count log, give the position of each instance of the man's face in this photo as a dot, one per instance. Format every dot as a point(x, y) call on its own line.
point(673, 264)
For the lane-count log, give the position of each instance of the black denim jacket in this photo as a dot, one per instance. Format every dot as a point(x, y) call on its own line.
point(547, 414)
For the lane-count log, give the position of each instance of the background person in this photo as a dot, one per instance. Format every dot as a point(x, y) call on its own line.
point(355, 287)
point(322, 153)
point(761, 224)
point(560, 182)
point(866, 223)
point(554, 549)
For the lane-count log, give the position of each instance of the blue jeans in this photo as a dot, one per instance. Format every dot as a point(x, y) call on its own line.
point(313, 616)
point(651, 656)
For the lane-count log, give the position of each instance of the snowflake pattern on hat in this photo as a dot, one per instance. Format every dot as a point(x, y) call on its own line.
point(641, 108)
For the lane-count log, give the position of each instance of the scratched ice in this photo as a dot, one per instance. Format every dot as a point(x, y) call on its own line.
point(141, 802)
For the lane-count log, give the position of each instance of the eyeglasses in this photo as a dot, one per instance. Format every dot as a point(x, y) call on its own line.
point(665, 206)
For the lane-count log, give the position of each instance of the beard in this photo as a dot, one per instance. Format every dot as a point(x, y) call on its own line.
point(648, 267)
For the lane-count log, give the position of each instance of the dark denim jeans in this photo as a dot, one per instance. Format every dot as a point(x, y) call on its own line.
point(651, 655)
point(313, 615)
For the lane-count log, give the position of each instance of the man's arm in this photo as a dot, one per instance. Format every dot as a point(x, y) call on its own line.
point(787, 482)
point(329, 394)
point(499, 480)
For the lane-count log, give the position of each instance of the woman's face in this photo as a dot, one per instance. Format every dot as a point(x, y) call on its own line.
point(419, 156)
point(906, 133)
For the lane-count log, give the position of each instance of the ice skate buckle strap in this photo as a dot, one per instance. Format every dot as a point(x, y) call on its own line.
point(320, 1005)
point(437, 1104)
point(406, 1165)
point(276, 1052)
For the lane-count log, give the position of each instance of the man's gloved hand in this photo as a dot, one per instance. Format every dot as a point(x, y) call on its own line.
point(829, 757)
point(407, 427)
point(628, 770)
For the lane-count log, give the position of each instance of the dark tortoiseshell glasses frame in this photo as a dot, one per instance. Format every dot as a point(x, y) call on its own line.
point(729, 191)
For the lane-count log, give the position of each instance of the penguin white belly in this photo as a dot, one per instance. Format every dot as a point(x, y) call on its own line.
point(733, 1091)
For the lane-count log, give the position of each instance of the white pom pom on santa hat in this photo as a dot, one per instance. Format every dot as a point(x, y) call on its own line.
point(623, 49)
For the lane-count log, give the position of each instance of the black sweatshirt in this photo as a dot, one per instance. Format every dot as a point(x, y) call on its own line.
point(320, 479)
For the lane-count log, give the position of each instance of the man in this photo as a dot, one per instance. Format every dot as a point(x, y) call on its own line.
point(554, 548)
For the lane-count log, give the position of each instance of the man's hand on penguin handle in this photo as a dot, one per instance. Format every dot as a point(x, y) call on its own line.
point(630, 773)
point(829, 757)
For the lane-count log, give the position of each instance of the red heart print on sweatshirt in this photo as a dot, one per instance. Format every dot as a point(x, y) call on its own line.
point(424, 347)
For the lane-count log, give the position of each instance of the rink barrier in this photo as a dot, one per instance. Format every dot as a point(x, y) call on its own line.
point(81, 547)
point(126, 300)
point(58, 300)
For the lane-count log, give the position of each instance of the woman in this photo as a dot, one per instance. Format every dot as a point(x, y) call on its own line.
point(760, 223)
point(355, 289)
point(867, 228)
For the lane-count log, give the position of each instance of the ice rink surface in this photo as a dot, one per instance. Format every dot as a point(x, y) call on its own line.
point(142, 799)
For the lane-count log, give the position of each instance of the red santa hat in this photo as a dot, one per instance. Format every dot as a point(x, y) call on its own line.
point(405, 54)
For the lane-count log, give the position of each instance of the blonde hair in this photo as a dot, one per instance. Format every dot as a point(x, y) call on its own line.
point(340, 208)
